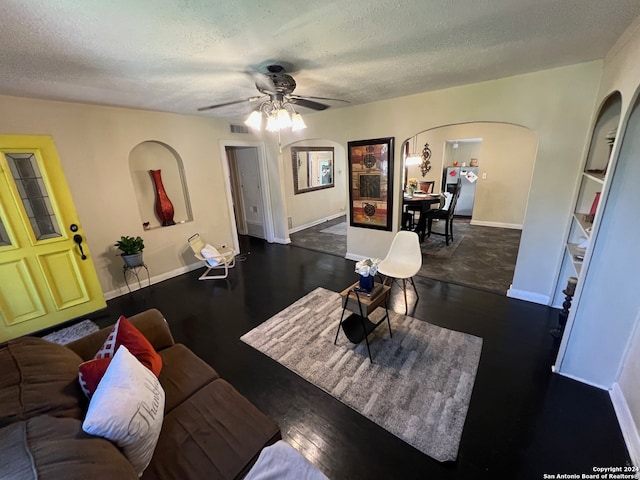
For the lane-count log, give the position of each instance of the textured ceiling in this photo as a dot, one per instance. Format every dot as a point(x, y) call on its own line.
point(178, 55)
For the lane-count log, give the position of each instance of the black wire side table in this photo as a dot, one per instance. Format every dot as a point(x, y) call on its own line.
point(135, 271)
point(357, 326)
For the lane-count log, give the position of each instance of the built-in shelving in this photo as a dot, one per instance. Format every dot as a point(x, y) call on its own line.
point(581, 221)
point(588, 201)
point(576, 255)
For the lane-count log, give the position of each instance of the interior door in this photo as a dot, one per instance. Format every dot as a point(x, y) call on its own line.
point(47, 274)
point(236, 191)
point(251, 190)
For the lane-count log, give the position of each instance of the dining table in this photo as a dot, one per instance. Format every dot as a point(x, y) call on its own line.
point(425, 202)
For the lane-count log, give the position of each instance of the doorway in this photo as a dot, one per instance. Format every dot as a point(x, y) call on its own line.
point(248, 204)
point(247, 185)
point(461, 163)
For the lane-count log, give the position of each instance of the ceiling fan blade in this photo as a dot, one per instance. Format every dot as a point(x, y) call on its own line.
point(320, 98)
point(263, 82)
point(210, 107)
point(303, 102)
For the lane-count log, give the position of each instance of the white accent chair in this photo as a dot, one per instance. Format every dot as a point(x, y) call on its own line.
point(403, 261)
point(222, 258)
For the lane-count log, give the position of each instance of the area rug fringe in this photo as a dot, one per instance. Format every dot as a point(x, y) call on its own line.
point(418, 387)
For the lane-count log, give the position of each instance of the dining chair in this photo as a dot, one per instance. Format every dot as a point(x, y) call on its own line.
point(445, 213)
point(403, 261)
point(412, 211)
point(427, 187)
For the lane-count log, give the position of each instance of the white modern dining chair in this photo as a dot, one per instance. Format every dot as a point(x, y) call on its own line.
point(403, 261)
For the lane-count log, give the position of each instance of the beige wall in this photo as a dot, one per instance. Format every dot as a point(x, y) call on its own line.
point(308, 208)
point(94, 144)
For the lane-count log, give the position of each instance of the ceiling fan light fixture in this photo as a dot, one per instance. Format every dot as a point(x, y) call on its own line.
point(254, 120)
point(283, 118)
point(297, 123)
point(272, 124)
point(279, 115)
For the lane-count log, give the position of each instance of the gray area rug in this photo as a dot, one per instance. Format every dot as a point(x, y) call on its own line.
point(72, 333)
point(339, 229)
point(418, 387)
point(436, 246)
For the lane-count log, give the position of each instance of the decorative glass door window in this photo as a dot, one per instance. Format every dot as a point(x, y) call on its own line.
point(33, 194)
point(4, 236)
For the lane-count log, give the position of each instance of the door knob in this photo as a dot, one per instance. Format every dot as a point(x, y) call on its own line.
point(78, 239)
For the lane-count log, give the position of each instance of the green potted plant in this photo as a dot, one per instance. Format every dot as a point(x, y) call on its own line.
point(131, 249)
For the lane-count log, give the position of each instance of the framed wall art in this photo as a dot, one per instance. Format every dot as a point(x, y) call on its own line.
point(371, 183)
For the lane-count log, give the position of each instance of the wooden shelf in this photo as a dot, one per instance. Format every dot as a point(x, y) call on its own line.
point(573, 250)
point(596, 177)
point(368, 303)
point(584, 225)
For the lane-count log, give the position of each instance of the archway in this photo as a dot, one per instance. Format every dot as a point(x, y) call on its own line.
point(505, 156)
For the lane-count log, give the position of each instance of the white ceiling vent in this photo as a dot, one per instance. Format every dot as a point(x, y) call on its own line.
point(239, 128)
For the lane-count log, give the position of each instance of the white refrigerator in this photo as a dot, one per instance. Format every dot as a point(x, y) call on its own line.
point(469, 177)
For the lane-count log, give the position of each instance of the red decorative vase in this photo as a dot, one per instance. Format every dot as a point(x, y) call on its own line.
point(164, 207)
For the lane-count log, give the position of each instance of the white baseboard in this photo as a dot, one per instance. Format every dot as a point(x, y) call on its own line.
point(283, 241)
point(579, 379)
point(133, 285)
point(482, 223)
point(353, 256)
point(316, 222)
point(627, 425)
point(255, 229)
point(528, 296)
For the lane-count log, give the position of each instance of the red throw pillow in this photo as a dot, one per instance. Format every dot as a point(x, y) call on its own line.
point(123, 333)
point(90, 373)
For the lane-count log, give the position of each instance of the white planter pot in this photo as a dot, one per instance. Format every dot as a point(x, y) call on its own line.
point(134, 260)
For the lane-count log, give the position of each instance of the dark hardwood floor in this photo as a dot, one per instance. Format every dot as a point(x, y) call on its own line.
point(523, 421)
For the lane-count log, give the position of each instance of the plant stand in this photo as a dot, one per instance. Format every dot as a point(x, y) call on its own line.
point(135, 271)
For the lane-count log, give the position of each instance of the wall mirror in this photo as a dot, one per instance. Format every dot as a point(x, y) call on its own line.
point(312, 168)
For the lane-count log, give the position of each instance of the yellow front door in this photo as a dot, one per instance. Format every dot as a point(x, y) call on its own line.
point(47, 274)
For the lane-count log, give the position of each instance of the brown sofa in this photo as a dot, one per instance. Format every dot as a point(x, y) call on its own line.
point(209, 429)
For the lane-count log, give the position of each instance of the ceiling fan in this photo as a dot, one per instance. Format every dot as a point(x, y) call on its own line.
point(278, 86)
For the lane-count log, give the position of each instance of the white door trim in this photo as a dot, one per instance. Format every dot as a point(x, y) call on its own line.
point(264, 183)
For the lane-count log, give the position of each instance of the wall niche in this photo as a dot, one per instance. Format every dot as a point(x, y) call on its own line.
point(154, 155)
